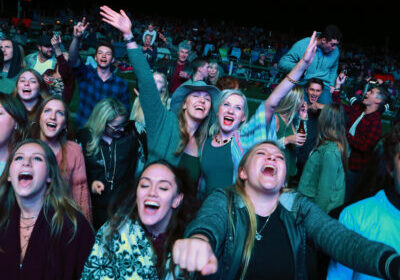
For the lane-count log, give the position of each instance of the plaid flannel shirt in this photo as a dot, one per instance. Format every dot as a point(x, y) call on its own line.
point(367, 134)
point(92, 89)
point(256, 130)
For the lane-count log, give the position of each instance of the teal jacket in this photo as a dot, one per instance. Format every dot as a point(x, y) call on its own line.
point(323, 179)
point(324, 66)
point(7, 85)
point(162, 127)
point(303, 220)
point(375, 218)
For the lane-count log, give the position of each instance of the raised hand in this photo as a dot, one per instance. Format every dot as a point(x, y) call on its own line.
point(162, 37)
point(56, 41)
point(311, 49)
point(119, 20)
point(80, 28)
point(303, 110)
point(341, 78)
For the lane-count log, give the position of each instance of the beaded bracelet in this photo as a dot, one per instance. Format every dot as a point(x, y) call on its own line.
point(291, 80)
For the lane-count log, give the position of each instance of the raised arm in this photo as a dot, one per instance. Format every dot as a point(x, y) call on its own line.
point(346, 246)
point(149, 97)
point(120, 21)
point(67, 75)
point(291, 79)
point(79, 29)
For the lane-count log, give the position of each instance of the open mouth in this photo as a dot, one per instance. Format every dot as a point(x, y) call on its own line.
point(269, 170)
point(313, 98)
point(26, 91)
point(51, 125)
point(151, 207)
point(199, 108)
point(228, 120)
point(25, 178)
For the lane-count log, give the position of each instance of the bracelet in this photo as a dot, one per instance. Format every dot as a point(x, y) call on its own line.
point(291, 80)
point(129, 38)
point(198, 237)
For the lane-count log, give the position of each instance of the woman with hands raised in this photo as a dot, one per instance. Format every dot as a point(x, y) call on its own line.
point(233, 134)
point(175, 135)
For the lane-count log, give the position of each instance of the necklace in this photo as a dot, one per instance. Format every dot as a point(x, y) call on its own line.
point(25, 235)
point(27, 226)
point(111, 181)
point(30, 218)
point(222, 141)
point(258, 234)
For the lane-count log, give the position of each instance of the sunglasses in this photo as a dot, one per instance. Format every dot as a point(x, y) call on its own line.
point(119, 128)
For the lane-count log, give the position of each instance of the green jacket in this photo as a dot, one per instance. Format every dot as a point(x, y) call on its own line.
point(323, 179)
point(302, 219)
point(162, 127)
point(7, 85)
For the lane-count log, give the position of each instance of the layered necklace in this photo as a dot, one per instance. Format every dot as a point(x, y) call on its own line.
point(26, 229)
point(110, 179)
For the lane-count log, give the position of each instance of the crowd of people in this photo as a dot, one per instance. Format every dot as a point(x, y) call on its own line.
point(184, 182)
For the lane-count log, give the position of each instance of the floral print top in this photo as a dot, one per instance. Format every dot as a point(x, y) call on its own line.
point(129, 255)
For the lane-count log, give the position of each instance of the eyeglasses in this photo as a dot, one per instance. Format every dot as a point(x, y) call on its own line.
point(118, 128)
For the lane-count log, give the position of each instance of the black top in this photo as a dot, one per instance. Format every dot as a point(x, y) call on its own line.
point(46, 258)
point(192, 165)
point(272, 256)
point(126, 151)
point(303, 152)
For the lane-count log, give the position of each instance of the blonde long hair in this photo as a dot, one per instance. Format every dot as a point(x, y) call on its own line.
point(290, 104)
point(105, 111)
point(137, 111)
point(221, 99)
point(238, 187)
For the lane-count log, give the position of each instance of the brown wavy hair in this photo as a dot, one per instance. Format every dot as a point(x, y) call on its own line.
point(124, 206)
point(16, 110)
point(200, 134)
point(62, 137)
point(42, 94)
point(57, 195)
point(332, 127)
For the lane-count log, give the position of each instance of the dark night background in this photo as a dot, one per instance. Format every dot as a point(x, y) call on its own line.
point(361, 23)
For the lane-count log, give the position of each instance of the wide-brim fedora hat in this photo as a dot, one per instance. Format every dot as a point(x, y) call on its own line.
point(190, 86)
